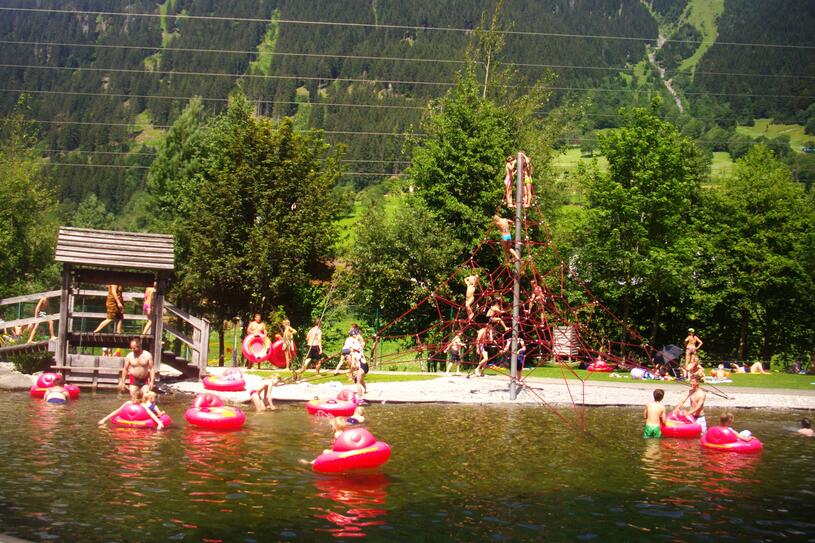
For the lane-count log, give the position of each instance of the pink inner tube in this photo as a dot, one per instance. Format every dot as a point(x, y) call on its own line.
point(372, 456)
point(337, 408)
point(277, 357)
point(224, 384)
point(215, 418)
point(39, 392)
point(680, 426)
point(256, 348)
point(135, 416)
point(723, 439)
point(347, 395)
point(600, 368)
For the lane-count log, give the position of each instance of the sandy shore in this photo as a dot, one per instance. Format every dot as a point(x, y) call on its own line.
point(495, 390)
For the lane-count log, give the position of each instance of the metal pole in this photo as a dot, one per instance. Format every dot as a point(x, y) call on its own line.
point(236, 323)
point(516, 290)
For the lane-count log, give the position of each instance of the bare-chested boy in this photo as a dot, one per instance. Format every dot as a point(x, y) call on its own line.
point(41, 311)
point(454, 349)
point(506, 236)
point(138, 370)
point(655, 416)
point(509, 177)
point(697, 403)
point(314, 340)
point(472, 282)
point(483, 340)
point(495, 314)
point(526, 174)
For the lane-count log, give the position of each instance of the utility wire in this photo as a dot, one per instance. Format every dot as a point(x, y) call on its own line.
point(380, 81)
point(159, 49)
point(292, 102)
point(377, 26)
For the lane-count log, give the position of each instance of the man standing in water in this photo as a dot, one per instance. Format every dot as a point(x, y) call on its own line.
point(697, 403)
point(138, 370)
point(314, 340)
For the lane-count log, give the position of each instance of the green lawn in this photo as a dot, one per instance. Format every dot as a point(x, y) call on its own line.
point(702, 14)
point(722, 164)
point(768, 129)
point(569, 159)
point(770, 380)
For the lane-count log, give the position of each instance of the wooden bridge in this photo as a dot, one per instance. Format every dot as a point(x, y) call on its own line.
point(97, 257)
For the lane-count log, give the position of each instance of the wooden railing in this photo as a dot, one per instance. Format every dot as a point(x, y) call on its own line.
point(196, 339)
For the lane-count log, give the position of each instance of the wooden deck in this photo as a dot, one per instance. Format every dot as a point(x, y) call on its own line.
point(120, 341)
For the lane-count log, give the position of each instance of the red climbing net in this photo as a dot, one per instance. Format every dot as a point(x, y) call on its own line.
point(560, 322)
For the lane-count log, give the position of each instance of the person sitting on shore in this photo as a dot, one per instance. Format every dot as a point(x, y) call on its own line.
point(654, 416)
point(757, 368)
point(737, 368)
point(806, 428)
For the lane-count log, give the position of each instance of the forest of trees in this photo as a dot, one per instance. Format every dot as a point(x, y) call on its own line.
point(247, 136)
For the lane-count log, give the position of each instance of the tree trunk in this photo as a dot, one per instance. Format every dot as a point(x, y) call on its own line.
point(221, 344)
point(742, 335)
point(655, 322)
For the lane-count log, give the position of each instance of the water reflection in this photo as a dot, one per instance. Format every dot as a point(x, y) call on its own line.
point(359, 500)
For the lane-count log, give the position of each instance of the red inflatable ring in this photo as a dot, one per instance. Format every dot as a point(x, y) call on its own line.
point(277, 355)
point(719, 438)
point(337, 408)
point(353, 449)
point(681, 426)
point(209, 412)
point(135, 416)
point(48, 380)
point(600, 367)
point(231, 381)
point(256, 348)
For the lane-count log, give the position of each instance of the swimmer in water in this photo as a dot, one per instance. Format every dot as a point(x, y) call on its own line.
point(138, 400)
point(56, 394)
point(806, 428)
point(358, 417)
point(149, 403)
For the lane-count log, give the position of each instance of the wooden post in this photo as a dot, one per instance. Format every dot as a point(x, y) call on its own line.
point(64, 300)
point(157, 314)
point(204, 352)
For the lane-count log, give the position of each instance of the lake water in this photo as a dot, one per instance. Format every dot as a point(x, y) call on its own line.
point(458, 473)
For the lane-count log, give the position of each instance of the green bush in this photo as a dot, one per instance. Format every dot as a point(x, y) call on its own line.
point(781, 361)
point(32, 362)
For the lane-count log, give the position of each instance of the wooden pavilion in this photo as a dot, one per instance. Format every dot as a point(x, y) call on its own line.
point(102, 257)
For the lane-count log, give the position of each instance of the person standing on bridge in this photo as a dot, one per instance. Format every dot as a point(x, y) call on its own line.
point(115, 308)
point(41, 311)
point(138, 372)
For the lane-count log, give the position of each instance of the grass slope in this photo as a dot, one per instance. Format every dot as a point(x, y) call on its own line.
point(702, 15)
point(769, 129)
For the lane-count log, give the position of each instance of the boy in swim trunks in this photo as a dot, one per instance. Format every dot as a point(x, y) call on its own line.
point(314, 340)
point(654, 416)
point(482, 340)
point(147, 308)
point(506, 236)
point(697, 403)
point(454, 349)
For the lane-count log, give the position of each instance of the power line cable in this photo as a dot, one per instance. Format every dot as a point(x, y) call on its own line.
point(159, 49)
point(380, 81)
point(323, 104)
point(378, 26)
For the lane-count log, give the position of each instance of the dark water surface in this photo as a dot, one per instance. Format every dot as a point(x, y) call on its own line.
point(458, 473)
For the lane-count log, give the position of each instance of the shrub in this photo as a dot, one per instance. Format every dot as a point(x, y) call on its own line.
point(29, 363)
